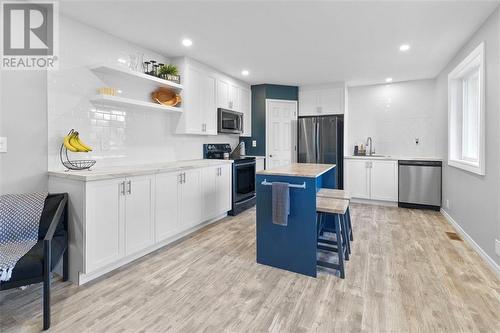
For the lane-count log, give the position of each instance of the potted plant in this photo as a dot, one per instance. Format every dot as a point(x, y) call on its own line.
point(170, 73)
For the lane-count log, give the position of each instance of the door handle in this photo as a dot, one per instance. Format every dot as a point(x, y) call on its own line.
point(271, 155)
point(122, 187)
point(180, 178)
point(129, 187)
point(184, 177)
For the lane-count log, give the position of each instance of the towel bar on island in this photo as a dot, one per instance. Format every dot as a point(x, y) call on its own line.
point(303, 185)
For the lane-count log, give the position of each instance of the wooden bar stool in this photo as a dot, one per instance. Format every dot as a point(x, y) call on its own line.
point(338, 194)
point(337, 209)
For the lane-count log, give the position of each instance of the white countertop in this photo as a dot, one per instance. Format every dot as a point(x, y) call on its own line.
point(394, 158)
point(97, 173)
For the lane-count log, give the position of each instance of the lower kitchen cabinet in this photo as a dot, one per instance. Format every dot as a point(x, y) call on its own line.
point(372, 179)
point(104, 242)
point(115, 221)
point(139, 214)
point(126, 206)
point(216, 190)
point(167, 221)
point(384, 180)
point(191, 198)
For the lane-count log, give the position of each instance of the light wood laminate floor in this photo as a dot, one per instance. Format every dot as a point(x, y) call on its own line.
point(405, 275)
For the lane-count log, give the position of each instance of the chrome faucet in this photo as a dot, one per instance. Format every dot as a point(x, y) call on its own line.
point(369, 141)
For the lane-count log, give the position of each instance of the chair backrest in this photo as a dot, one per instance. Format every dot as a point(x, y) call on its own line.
point(49, 209)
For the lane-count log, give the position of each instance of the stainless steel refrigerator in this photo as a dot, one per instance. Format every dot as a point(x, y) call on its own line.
point(321, 140)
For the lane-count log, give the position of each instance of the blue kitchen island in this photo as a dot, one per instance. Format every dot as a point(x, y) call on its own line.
point(291, 247)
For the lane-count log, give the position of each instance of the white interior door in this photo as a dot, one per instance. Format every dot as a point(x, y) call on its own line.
point(281, 132)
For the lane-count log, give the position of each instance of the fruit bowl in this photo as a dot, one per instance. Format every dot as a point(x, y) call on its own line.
point(78, 164)
point(73, 143)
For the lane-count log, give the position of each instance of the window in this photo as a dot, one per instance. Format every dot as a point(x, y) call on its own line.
point(466, 113)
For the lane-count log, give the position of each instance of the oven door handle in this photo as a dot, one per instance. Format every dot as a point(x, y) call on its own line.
point(245, 164)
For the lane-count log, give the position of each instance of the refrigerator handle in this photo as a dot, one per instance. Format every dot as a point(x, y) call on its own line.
point(316, 130)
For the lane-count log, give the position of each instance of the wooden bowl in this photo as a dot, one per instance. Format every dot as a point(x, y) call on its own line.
point(167, 97)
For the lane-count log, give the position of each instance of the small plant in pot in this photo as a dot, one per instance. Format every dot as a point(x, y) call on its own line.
point(170, 73)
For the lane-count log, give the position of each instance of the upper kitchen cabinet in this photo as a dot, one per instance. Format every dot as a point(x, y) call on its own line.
point(228, 94)
point(321, 100)
point(199, 100)
point(205, 90)
point(246, 109)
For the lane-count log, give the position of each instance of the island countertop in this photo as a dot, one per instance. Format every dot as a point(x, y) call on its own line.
point(308, 170)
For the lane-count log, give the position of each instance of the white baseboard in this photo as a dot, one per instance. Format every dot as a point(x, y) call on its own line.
point(374, 202)
point(491, 263)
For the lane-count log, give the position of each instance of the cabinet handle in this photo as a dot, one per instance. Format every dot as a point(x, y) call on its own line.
point(184, 177)
point(180, 178)
point(129, 187)
point(122, 187)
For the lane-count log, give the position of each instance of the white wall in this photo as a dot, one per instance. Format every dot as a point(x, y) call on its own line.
point(394, 115)
point(474, 200)
point(23, 120)
point(119, 136)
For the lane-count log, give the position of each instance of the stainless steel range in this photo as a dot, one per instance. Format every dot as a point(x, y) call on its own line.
point(243, 196)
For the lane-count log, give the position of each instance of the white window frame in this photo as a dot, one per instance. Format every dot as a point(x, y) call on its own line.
point(474, 61)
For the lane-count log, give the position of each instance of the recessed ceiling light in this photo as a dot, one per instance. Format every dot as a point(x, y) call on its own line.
point(389, 79)
point(404, 47)
point(245, 72)
point(187, 42)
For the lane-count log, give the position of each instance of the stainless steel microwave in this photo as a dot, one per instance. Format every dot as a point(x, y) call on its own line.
point(229, 121)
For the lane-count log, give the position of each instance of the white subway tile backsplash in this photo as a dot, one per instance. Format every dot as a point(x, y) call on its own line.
point(118, 136)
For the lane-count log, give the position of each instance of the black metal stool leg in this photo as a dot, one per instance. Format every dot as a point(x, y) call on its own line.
point(340, 246)
point(345, 236)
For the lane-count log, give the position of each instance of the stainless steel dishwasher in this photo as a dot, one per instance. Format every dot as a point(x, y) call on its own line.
point(420, 184)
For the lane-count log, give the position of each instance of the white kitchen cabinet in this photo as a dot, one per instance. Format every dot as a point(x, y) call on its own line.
point(228, 94)
point(217, 190)
point(210, 201)
point(199, 101)
point(191, 198)
point(167, 222)
point(384, 180)
point(224, 189)
point(223, 94)
point(260, 164)
point(139, 226)
point(321, 100)
point(372, 179)
point(104, 242)
point(209, 105)
point(234, 97)
point(358, 178)
point(117, 220)
point(246, 109)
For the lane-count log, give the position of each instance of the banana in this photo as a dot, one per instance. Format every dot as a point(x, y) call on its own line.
point(73, 141)
point(87, 148)
point(67, 144)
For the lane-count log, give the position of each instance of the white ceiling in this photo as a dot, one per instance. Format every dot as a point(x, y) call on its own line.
point(300, 42)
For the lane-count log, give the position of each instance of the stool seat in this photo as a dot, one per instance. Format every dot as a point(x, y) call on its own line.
point(333, 193)
point(330, 205)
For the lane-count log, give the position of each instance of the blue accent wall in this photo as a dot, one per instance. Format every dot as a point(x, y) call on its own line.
point(260, 93)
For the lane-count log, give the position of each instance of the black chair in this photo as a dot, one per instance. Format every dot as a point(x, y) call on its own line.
point(36, 265)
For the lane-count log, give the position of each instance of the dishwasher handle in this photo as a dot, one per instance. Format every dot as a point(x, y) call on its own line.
point(421, 163)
